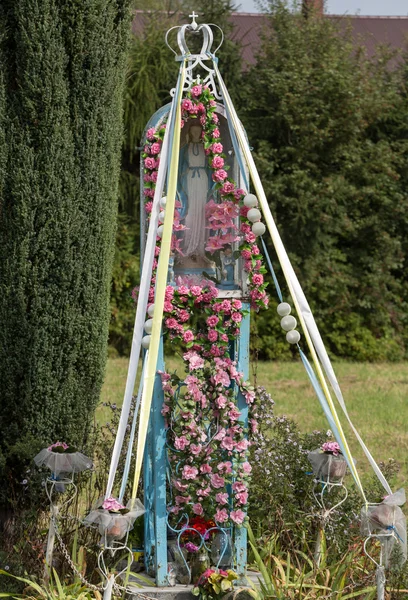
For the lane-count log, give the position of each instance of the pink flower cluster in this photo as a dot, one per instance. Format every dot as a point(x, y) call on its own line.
point(207, 463)
point(112, 504)
point(331, 448)
point(58, 445)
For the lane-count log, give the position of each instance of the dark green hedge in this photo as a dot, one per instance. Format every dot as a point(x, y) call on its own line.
point(62, 75)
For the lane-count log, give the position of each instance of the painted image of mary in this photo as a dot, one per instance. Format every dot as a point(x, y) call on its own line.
point(194, 188)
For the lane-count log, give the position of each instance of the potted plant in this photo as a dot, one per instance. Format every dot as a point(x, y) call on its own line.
point(62, 459)
point(328, 463)
point(113, 518)
point(214, 584)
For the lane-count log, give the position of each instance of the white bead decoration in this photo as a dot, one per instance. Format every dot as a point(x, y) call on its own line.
point(288, 323)
point(250, 200)
point(258, 228)
point(148, 326)
point(283, 309)
point(160, 231)
point(163, 202)
point(254, 215)
point(150, 310)
point(293, 336)
point(161, 216)
point(146, 341)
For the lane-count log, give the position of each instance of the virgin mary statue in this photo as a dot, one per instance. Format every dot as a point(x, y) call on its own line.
point(194, 188)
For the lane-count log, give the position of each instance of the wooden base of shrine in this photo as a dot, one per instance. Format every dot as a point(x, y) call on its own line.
point(177, 592)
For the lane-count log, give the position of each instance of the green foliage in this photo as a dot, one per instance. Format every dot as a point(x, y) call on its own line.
point(61, 92)
point(55, 589)
point(294, 575)
point(125, 276)
point(328, 128)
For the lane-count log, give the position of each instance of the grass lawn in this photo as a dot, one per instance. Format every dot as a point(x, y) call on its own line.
point(376, 396)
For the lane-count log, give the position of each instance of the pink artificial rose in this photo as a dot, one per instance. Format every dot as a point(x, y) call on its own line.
point(250, 237)
point(182, 499)
point(196, 90)
point(181, 487)
point(257, 279)
point(146, 177)
point(242, 445)
point(189, 472)
point(242, 497)
point(217, 162)
point(155, 149)
point(227, 443)
point(216, 133)
point(215, 118)
point(226, 306)
point(218, 176)
point(197, 509)
point(237, 516)
point(195, 449)
point(245, 228)
point(238, 486)
point(196, 290)
point(183, 315)
point(246, 254)
point(212, 335)
point(228, 188)
point(200, 107)
point(188, 336)
point(236, 317)
point(196, 362)
point(221, 401)
point(221, 515)
point(217, 481)
point(212, 321)
point(246, 467)
point(206, 468)
point(237, 304)
point(153, 176)
point(181, 442)
point(217, 148)
point(221, 498)
point(186, 105)
point(149, 163)
point(150, 133)
point(171, 323)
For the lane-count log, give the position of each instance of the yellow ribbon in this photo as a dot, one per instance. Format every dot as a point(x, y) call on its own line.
point(161, 283)
point(273, 232)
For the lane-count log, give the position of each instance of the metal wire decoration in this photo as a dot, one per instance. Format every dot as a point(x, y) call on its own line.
point(183, 526)
point(200, 59)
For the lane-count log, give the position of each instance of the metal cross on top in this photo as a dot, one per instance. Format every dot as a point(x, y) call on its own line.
point(193, 24)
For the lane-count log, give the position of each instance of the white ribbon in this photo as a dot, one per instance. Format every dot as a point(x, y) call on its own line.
point(299, 298)
point(142, 302)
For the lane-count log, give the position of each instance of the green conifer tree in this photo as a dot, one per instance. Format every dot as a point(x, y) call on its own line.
point(63, 66)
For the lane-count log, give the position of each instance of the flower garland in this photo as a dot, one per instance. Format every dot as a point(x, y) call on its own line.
point(208, 444)
point(200, 104)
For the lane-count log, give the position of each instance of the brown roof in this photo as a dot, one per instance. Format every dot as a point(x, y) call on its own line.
point(368, 31)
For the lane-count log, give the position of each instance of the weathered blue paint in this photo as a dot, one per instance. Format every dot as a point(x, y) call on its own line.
point(242, 357)
point(159, 476)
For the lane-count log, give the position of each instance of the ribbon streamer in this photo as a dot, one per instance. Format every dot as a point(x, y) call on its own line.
point(285, 263)
point(140, 311)
point(161, 283)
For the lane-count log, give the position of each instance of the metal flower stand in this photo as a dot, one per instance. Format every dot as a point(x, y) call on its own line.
point(329, 475)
